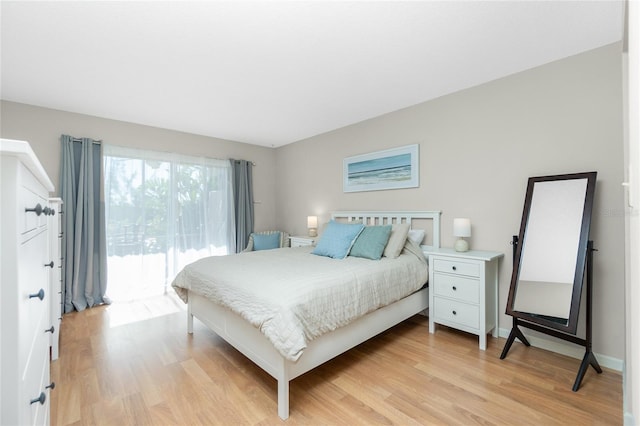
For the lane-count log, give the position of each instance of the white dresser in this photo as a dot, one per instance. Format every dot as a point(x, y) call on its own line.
point(25, 322)
point(463, 291)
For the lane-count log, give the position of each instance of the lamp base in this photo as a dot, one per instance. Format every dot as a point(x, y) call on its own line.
point(461, 245)
point(313, 232)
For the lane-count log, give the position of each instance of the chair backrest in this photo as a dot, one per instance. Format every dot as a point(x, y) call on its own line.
point(284, 239)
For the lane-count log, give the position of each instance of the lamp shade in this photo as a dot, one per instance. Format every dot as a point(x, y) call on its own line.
point(461, 227)
point(312, 221)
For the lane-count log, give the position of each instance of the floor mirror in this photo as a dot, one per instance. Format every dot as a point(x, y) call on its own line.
point(552, 262)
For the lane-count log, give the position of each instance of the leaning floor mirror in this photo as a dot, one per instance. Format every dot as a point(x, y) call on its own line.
point(551, 261)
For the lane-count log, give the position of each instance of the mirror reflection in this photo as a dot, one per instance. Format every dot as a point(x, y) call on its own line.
point(550, 248)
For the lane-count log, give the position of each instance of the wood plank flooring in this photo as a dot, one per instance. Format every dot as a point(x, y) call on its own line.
point(113, 371)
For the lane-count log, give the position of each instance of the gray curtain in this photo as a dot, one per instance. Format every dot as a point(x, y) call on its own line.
point(84, 242)
point(242, 183)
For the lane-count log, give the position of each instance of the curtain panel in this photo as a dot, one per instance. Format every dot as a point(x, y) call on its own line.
point(84, 243)
point(243, 201)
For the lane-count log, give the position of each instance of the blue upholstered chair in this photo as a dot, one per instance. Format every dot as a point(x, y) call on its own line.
point(266, 240)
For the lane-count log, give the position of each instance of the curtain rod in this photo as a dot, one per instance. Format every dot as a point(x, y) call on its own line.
point(253, 163)
point(98, 142)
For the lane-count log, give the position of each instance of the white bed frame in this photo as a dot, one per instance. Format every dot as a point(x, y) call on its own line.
point(255, 346)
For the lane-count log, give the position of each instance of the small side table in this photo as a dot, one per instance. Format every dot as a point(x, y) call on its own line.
point(463, 291)
point(302, 241)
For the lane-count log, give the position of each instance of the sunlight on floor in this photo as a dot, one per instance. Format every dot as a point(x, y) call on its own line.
point(137, 290)
point(120, 313)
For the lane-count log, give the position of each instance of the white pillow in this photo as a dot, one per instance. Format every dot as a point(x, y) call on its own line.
point(416, 235)
point(396, 241)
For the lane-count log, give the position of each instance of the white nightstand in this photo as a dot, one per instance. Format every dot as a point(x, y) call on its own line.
point(302, 240)
point(463, 291)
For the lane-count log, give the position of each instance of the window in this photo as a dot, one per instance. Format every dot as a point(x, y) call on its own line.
point(162, 211)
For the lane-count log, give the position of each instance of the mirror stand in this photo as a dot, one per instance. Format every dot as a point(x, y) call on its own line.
point(589, 357)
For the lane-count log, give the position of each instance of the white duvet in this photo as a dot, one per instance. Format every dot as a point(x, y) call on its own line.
point(293, 296)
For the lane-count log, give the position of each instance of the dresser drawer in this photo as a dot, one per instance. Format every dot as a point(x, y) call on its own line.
point(457, 267)
point(30, 195)
point(30, 220)
point(33, 313)
point(36, 377)
point(457, 287)
point(447, 310)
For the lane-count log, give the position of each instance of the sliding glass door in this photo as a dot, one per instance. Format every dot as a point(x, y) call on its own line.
point(163, 211)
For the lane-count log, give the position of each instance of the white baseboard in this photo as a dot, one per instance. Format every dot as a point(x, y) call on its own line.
point(567, 348)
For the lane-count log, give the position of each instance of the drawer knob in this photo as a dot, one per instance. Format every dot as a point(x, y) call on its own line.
point(37, 209)
point(453, 267)
point(50, 330)
point(52, 386)
point(454, 313)
point(39, 295)
point(46, 211)
point(50, 264)
point(454, 288)
point(41, 399)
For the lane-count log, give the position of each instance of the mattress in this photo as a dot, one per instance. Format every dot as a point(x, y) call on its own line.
point(293, 296)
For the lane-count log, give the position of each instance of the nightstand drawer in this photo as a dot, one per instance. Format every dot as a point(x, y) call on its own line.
point(456, 287)
point(458, 312)
point(302, 241)
point(457, 267)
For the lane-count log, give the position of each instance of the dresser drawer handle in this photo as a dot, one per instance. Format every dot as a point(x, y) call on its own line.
point(454, 312)
point(37, 209)
point(52, 386)
point(50, 264)
point(454, 288)
point(50, 330)
point(41, 399)
point(454, 268)
point(46, 211)
point(39, 295)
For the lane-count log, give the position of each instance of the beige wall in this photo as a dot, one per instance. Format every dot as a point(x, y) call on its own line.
point(42, 128)
point(477, 149)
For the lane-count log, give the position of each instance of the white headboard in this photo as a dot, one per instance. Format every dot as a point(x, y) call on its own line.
point(389, 218)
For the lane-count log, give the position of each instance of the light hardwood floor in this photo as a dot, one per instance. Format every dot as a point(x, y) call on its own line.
point(135, 364)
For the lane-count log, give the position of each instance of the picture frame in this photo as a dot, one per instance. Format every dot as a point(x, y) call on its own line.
point(395, 168)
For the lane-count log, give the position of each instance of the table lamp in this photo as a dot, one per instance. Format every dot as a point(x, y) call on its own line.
point(312, 224)
point(461, 229)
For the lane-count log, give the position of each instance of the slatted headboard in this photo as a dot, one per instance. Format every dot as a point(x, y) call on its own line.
point(415, 220)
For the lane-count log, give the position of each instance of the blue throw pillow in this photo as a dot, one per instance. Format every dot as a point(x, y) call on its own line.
point(371, 242)
point(337, 239)
point(266, 241)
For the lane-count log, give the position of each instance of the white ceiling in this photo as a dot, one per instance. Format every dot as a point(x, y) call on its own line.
point(270, 72)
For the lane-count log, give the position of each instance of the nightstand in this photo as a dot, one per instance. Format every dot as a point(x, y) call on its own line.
point(301, 241)
point(463, 291)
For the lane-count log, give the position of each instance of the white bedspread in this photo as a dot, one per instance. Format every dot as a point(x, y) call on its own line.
point(293, 296)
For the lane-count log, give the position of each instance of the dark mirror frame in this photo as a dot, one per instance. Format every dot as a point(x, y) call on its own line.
point(567, 326)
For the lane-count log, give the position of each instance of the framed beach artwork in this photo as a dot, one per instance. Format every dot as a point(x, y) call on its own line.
point(389, 169)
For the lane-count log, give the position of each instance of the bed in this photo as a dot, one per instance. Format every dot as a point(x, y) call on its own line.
point(239, 319)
